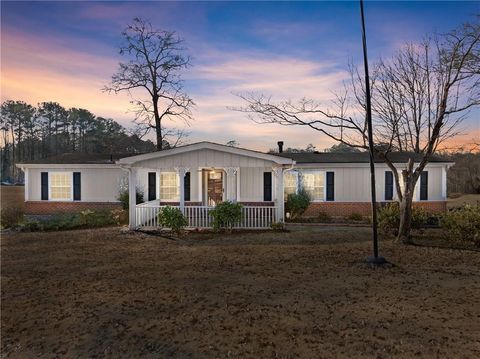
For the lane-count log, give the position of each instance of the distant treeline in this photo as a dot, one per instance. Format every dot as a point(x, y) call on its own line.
point(30, 133)
point(464, 176)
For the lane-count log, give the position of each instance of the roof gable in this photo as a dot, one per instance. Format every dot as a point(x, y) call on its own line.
point(206, 146)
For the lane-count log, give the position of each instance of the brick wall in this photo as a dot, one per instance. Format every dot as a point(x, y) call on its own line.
point(50, 207)
point(364, 208)
point(432, 207)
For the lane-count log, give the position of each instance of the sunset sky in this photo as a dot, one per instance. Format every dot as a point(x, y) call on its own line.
point(66, 52)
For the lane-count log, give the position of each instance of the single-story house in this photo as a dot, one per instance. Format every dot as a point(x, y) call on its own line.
point(196, 177)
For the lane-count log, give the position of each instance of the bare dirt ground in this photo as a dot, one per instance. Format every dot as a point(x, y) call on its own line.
point(104, 293)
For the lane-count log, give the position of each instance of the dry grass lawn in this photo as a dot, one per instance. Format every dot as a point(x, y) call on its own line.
point(103, 293)
point(471, 199)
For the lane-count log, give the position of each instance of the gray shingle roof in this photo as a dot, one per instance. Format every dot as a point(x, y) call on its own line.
point(81, 158)
point(354, 157)
point(301, 157)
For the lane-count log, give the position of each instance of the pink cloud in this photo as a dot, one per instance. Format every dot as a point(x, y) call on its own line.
point(36, 69)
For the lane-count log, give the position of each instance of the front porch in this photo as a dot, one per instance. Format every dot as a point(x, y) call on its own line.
point(253, 217)
point(197, 177)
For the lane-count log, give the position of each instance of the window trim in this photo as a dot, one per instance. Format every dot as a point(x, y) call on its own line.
point(50, 173)
point(177, 199)
point(324, 175)
point(296, 174)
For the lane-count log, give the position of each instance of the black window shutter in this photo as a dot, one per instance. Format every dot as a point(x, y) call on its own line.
point(152, 186)
point(330, 186)
point(186, 186)
point(77, 186)
point(267, 186)
point(424, 186)
point(44, 185)
point(388, 185)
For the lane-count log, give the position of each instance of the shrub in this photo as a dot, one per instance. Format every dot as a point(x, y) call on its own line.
point(87, 217)
point(278, 226)
point(226, 214)
point(10, 217)
point(61, 222)
point(84, 219)
point(463, 223)
point(355, 217)
point(101, 218)
point(119, 216)
point(297, 203)
point(433, 220)
point(30, 226)
point(123, 197)
point(389, 218)
point(324, 217)
point(172, 218)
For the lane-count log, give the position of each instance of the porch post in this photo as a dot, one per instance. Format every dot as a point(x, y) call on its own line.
point(132, 197)
point(231, 185)
point(181, 173)
point(444, 182)
point(26, 183)
point(279, 193)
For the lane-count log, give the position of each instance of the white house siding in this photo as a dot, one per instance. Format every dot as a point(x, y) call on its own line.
point(203, 158)
point(98, 184)
point(251, 183)
point(352, 182)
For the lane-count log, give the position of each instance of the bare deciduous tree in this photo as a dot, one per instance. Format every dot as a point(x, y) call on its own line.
point(420, 96)
point(156, 60)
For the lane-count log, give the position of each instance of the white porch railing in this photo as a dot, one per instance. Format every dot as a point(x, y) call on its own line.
point(146, 215)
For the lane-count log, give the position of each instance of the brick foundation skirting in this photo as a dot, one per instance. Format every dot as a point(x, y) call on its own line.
point(49, 208)
point(340, 209)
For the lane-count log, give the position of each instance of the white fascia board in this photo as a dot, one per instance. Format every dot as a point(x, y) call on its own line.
point(207, 145)
point(66, 165)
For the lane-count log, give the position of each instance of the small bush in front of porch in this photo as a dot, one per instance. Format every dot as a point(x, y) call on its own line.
point(173, 218)
point(226, 214)
point(297, 203)
point(123, 197)
point(278, 226)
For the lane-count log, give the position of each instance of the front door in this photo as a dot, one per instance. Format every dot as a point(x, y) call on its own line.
point(215, 187)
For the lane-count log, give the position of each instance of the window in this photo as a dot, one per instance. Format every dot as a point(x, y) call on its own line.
point(388, 185)
point(313, 183)
point(169, 186)
point(290, 183)
point(60, 186)
point(424, 186)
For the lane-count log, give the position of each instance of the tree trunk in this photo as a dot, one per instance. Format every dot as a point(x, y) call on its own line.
point(13, 153)
point(158, 125)
point(405, 226)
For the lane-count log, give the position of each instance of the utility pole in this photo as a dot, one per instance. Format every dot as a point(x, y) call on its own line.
point(375, 260)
